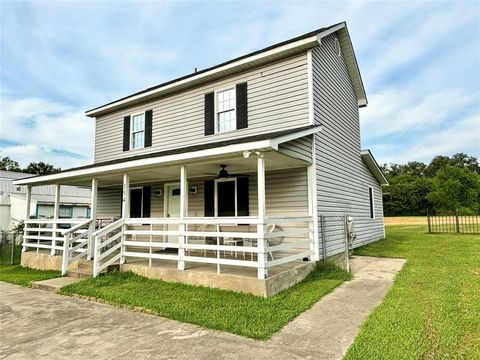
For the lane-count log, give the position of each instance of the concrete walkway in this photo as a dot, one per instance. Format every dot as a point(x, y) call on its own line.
point(35, 325)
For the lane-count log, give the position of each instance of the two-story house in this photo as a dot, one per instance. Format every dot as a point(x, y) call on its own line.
point(245, 170)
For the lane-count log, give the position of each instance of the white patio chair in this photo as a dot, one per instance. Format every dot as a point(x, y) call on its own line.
point(271, 229)
point(199, 239)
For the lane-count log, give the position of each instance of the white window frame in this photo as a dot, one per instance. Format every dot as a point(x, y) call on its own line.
point(234, 179)
point(215, 125)
point(131, 130)
point(141, 209)
point(371, 206)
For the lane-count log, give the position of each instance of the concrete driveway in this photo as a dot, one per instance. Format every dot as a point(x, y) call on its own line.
point(36, 325)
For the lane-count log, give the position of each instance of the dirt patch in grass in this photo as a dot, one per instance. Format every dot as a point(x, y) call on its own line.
point(406, 220)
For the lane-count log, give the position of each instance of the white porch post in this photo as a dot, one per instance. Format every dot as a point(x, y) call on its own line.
point(125, 208)
point(93, 216)
point(313, 210)
point(183, 214)
point(261, 227)
point(56, 208)
point(28, 199)
point(313, 203)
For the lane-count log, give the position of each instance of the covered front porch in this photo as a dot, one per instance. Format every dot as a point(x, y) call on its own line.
point(207, 220)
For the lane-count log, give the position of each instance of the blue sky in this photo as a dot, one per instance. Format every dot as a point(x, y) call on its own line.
point(420, 63)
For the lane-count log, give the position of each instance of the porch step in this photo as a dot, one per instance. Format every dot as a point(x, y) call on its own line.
point(85, 264)
point(80, 273)
point(53, 285)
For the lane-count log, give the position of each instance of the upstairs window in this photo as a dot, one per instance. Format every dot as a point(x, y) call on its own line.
point(226, 120)
point(138, 131)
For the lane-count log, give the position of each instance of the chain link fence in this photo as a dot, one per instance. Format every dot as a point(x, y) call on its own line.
point(10, 248)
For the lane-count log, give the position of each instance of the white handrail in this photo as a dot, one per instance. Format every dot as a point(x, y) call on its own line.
point(54, 221)
point(108, 228)
point(77, 227)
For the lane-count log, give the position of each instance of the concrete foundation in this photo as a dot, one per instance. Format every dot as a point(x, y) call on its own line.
point(43, 261)
point(239, 283)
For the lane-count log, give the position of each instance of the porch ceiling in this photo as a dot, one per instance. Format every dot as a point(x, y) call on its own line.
point(236, 164)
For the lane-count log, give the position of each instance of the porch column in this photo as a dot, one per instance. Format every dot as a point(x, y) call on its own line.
point(125, 209)
point(313, 204)
point(93, 216)
point(28, 199)
point(126, 196)
point(261, 227)
point(183, 214)
point(56, 208)
point(313, 211)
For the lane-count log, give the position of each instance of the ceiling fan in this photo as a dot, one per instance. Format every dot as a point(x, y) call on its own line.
point(223, 173)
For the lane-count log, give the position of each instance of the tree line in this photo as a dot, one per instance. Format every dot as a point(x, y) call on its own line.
point(444, 186)
point(36, 168)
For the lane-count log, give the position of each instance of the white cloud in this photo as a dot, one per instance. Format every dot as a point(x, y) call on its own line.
point(43, 130)
point(396, 111)
point(462, 136)
point(419, 62)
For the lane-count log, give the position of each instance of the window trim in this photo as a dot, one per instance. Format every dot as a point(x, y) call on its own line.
point(144, 113)
point(215, 102)
point(371, 202)
point(216, 181)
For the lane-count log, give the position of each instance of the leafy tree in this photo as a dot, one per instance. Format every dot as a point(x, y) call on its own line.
point(41, 168)
point(407, 195)
point(459, 160)
point(8, 164)
point(456, 188)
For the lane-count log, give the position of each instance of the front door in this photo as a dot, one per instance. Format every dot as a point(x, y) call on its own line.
point(136, 202)
point(172, 207)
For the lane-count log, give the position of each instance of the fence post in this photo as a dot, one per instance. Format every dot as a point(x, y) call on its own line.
point(457, 224)
point(12, 256)
point(347, 260)
point(429, 224)
point(324, 237)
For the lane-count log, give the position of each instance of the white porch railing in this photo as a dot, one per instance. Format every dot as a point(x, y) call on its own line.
point(208, 240)
point(76, 244)
point(68, 237)
point(46, 233)
point(108, 242)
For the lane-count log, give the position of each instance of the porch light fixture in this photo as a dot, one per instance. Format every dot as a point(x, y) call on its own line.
point(246, 154)
point(158, 193)
point(192, 190)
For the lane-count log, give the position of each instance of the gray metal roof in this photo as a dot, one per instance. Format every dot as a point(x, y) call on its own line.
point(74, 194)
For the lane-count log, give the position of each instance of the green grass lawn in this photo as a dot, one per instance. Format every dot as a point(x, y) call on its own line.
point(433, 309)
point(19, 275)
point(242, 314)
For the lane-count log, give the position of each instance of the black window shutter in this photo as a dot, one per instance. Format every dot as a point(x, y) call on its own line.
point(126, 133)
point(242, 107)
point(242, 196)
point(209, 113)
point(147, 191)
point(209, 198)
point(148, 128)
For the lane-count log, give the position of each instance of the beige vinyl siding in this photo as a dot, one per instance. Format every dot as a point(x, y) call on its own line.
point(299, 148)
point(342, 177)
point(108, 202)
point(286, 194)
point(277, 100)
